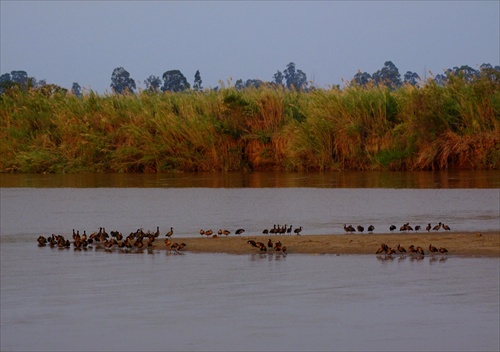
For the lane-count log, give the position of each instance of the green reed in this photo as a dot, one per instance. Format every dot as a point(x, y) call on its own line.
point(432, 127)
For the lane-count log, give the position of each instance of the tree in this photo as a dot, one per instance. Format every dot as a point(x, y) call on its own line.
point(362, 78)
point(295, 78)
point(174, 81)
point(153, 83)
point(466, 72)
point(278, 78)
point(197, 81)
point(389, 75)
point(76, 89)
point(121, 81)
point(411, 78)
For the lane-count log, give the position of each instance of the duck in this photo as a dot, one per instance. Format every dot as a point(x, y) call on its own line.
point(437, 227)
point(442, 250)
point(42, 241)
point(360, 228)
point(446, 227)
point(391, 251)
point(417, 228)
point(428, 227)
point(252, 243)
point(404, 227)
point(284, 251)
point(432, 249)
point(371, 228)
point(226, 232)
point(420, 250)
point(412, 249)
point(239, 231)
point(289, 230)
point(298, 230)
point(202, 232)
point(401, 249)
point(182, 246)
point(392, 228)
point(277, 246)
point(349, 228)
point(265, 231)
point(269, 243)
point(170, 233)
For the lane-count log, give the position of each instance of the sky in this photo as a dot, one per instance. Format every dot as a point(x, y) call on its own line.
point(84, 41)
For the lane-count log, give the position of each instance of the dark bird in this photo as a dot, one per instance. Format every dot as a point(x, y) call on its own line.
point(277, 246)
point(289, 230)
point(428, 227)
point(371, 228)
point(412, 249)
point(265, 232)
point(417, 228)
point(349, 228)
point(446, 227)
point(437, 227)
point(432, 249)
point(182, 246)
point(226, 232)
point(202, 232)
point(392, 228)
point(170, 233)
point(401, 249)
point(239, 231)
point(284, 251)
point(42, 241)
point(420, 250)
point(298, 230)
point(408, 227)
point(442, 250)
point(404, 227)
point(252, 243)
point(270, 243)
point(390, 251)
point(360, 228)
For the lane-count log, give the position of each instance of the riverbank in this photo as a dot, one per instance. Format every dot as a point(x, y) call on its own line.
point(460, 243)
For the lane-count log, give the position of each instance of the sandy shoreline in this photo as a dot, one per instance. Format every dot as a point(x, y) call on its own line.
point(471, 244)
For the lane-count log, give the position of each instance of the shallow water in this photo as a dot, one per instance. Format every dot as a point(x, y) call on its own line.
point(34, 211)
point(64, 300)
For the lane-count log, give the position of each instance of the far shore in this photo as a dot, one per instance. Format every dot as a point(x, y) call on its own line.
point(471, 244)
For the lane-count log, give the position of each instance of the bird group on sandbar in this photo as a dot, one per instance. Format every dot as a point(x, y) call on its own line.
point(282, 230)
point(384, 248)
point(406, 227)
point(277, 246)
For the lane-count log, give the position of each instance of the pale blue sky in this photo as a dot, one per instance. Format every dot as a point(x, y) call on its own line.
point(83, 41)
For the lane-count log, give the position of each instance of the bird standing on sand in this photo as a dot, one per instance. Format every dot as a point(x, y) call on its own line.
point(446, 227)
point(298, 230)
point(371, 228)
point(239, 231)
point(442, 250)
point(392, 228)
point(170, 233)
point(360, 228)
point(432, 249)
point(428, 227)
point(437, 227)
point(401, 249)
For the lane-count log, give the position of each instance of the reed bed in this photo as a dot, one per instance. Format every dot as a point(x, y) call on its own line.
point(357, 128)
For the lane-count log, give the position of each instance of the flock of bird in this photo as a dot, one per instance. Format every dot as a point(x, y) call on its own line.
point(411, 250)
point(114, 240)
point(276, 246)
point(404, 227)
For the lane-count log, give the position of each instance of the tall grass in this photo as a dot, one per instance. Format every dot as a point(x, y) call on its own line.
point(359, 128)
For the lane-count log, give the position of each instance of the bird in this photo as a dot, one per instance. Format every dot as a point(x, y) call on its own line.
point(412, 249)
point(277, 246)
point(349, 228)
point(202, 232)
point(297, 231)
point(404, 227)
point(270, 243)
point(417, 228)
point(157, 233)
point(170, 233)
point(182, 246)
point(226, 232)
point(42, 241)
point(432, 249)
point(265, 231)
point(360, 228)
point(420, 250)
point(252, 243)
point(408, 227)
point(209, 233)
point(392, 228)
point(283, 250)
point(371, 228)
point(446, 227)
point(428, 227)
point(391, 251)
point(442, 250)
point(289, 230)
point(437, 227)
point(401, 249)
point(239, 231)
point(383, 248)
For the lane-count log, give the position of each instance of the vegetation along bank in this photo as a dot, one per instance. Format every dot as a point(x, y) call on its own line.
point(431, 126)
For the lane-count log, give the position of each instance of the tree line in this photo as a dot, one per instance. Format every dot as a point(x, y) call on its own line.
point(290, 78)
